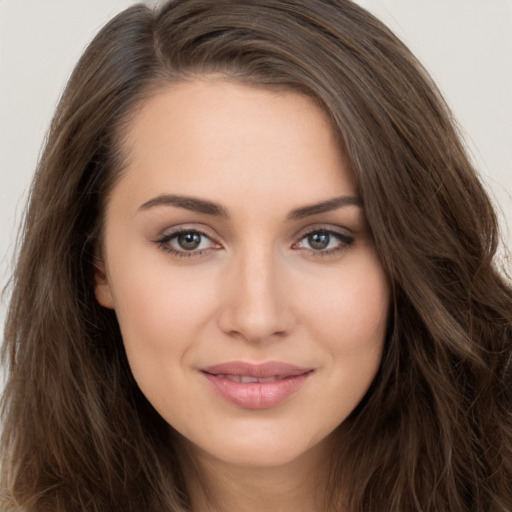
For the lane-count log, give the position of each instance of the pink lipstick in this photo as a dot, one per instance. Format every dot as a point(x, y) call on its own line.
point(256, 386)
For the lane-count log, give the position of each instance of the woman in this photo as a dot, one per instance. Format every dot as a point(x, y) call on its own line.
point(257, 273)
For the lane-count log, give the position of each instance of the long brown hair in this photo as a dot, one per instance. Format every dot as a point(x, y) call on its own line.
point(433, 433)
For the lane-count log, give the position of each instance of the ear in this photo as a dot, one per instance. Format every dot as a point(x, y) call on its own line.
point(102, 289)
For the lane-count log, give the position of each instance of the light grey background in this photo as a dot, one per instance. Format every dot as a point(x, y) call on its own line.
point(465, 44)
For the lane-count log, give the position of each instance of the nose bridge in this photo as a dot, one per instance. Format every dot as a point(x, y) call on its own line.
point(256, 305)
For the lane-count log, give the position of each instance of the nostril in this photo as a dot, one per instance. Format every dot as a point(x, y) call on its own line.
point(257, 325)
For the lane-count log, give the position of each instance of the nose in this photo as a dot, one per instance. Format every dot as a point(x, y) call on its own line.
point(255, 304)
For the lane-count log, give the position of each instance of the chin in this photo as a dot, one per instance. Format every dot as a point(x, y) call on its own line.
point(262, 449)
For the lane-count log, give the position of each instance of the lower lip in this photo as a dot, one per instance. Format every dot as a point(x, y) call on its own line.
point(257, 395)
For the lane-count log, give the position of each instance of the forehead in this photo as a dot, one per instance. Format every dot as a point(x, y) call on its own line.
point(213, 137)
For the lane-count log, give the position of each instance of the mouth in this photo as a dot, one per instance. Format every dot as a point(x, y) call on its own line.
point(248, 379)
point(256, 386)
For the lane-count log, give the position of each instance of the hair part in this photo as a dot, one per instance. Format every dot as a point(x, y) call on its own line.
point(433, 432)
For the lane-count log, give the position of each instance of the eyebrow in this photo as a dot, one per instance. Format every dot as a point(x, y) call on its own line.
point(188, 203)
point(216, 210)
point(325, 206)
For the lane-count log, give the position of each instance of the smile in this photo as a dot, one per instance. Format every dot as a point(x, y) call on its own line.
point(259, 386)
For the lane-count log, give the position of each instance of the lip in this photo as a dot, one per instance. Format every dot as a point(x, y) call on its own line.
point(273, 383)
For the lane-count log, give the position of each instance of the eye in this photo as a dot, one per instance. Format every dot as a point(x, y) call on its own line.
point(187, 242)
point(324, 241)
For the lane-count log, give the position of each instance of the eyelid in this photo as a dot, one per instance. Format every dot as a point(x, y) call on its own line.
point(170, 233)
point(346, 239)
point(327, 228)
point(203, 229)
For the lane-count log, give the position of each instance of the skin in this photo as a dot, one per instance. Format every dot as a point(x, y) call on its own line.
point(256, 289)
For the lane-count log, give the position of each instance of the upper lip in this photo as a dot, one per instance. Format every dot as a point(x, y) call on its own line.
point(258, 370)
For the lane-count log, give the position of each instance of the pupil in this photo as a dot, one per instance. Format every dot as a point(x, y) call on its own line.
point(319, 240)
point(189, 241)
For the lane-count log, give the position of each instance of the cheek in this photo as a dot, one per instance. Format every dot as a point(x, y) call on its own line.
point(352, 307)
point(160, 308)
point(348, 317)
point(161, 314)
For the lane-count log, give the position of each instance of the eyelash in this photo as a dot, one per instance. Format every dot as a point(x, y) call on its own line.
point(345, 241)
point(163, 243)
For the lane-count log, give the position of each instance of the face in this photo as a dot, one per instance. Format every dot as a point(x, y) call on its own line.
point(238, 260)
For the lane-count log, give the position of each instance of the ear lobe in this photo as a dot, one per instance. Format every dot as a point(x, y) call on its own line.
point(102, 289)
